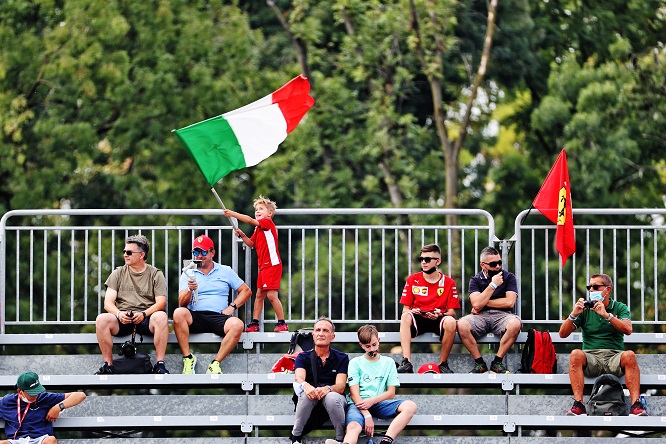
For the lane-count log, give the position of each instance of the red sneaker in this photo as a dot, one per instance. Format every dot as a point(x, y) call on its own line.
point(282, 327)
point(637, 409)
point(252, 327)
point(577, 409)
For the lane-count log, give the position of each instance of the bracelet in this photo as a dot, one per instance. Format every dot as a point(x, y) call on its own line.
point(118, 315)
point(571, 318)
point(494, 285)
point(329, 388)
point(367, 416)
point(144, 315)
point(610, 316)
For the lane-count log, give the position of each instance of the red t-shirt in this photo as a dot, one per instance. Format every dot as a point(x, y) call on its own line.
point(421, 294)
point(265, 240)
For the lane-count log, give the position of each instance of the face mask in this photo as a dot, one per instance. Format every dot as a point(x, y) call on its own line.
point(596, 296)
point(430, 270)
point(372, 353)
point(492, 273)
point(24, 399)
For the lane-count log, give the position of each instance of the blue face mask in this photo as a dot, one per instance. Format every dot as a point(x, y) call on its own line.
point(596, 296)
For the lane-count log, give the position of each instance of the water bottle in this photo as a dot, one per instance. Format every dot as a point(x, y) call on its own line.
point(370, 441)
point(643, 403)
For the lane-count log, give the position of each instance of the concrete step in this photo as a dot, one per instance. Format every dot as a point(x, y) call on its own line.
point(262, 363)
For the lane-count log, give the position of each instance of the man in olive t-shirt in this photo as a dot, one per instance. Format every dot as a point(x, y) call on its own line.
point(135, 297)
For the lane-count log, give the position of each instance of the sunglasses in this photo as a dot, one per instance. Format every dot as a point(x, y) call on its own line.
point(130, 252)
point(426, 259)
point(493, 264)
point(197, 252)
point(595, 287)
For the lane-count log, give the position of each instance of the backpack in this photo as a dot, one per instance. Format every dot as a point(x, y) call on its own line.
point(607, 398)
point(301, 340)
point(538, 353)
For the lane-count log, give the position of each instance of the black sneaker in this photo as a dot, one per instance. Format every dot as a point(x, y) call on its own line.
point(106, 369)
point(479, 368)
point(444, 367)
point(160, 369)
point(499, 367)
point(405, 366)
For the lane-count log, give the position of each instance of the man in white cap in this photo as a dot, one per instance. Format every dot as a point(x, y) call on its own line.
point(211, 311)
point(30, 412)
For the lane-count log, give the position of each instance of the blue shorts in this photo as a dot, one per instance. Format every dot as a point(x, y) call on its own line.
point(383, 409)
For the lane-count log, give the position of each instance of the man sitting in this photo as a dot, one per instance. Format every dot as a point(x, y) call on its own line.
point(604, 326)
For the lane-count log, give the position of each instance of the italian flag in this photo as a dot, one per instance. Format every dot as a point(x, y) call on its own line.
point(246, 136)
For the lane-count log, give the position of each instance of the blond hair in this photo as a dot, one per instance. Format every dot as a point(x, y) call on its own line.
point(261, 200)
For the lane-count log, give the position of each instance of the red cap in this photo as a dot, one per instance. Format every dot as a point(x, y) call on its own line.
point(429, 367)
point(204, 242)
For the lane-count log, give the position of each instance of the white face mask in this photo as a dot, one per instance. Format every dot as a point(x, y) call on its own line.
point(23, 398)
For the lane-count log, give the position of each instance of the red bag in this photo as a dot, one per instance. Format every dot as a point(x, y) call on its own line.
point(286, 364)
point(539, 353)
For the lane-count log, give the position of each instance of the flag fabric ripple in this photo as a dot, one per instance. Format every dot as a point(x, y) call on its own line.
point(245, 136)
point(554, 201)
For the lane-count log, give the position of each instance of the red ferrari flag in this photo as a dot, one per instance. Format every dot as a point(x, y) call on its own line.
point(554, 202)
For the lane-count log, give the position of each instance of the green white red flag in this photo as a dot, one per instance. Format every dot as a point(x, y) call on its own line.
point(554, 201)
point(245, 136)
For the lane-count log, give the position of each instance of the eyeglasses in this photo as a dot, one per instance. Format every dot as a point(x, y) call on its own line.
point(426, 259)
point(197, 252)
point(130, 252)
point(493, 264)
point(595, 287)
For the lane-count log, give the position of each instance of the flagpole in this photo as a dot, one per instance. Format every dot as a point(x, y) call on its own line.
point(233, 224)
point(527, 214)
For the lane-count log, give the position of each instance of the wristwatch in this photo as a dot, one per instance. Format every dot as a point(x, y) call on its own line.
point(62, 406)
point(233, 304)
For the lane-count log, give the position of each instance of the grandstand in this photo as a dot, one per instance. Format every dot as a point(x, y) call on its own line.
point(347, 264)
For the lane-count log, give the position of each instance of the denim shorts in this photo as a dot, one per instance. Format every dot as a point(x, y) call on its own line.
point(383, 409)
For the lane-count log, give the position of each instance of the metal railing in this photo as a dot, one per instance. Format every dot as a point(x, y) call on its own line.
point(349, 264)
point(628, 251)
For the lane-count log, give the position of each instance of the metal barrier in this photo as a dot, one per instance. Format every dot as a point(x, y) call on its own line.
point(349, 264)
point(627, 251)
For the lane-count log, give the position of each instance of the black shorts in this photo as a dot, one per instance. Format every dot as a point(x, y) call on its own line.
point(421, 325)
point(208, 322)
point(142, 328)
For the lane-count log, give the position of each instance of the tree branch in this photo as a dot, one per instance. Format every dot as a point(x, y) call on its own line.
point(299, 46)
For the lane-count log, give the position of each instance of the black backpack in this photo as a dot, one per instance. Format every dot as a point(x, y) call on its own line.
point(607, 398)
point(301, 340)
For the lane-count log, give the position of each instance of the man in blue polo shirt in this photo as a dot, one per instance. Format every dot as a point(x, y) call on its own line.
point(320, 397)
point(493, 294)
point(29, 413)
point(204, 305)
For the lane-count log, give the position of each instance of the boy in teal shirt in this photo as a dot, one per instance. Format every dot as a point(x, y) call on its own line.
point(372, 380)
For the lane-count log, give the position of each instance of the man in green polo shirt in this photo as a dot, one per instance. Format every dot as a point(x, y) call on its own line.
point(604, 326)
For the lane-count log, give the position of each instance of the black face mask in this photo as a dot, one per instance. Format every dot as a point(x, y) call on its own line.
point(492, 273)
point(372, 353)
point(430, 270)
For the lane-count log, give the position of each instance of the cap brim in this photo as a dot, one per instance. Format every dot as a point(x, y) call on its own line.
point(39, 388)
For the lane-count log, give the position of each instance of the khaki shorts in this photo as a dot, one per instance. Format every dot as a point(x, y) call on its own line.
point(489, 321)
point(603, 361)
